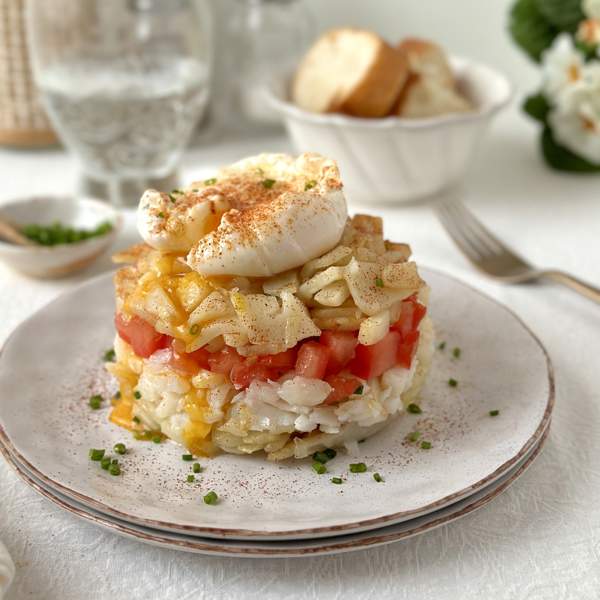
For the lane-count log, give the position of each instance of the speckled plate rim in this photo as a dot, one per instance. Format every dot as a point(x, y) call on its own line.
point(267, 549)
point(328, 531)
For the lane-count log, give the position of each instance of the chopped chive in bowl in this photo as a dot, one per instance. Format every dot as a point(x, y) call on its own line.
point(95, 401)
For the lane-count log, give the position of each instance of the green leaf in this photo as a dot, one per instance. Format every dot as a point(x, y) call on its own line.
point(562, 159)
point(530, 29)
point(537, 107)
point(563, 14)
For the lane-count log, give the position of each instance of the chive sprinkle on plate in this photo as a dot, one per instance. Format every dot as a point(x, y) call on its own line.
point(211, 498)
point(358, 467)
point(196, 468)
point(494, 413)
point(187, 457)
point(426, 445)
point(415, 409)
point(95, 401)
point(377, 477)
point(456, 352)
point(452, 382)
point(96, 454)
point(319, 468)
point(336, 480)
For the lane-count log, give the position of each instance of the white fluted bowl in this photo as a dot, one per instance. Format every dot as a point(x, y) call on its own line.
point(395, 160)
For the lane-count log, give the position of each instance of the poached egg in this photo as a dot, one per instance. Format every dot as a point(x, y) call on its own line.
point(261, 216)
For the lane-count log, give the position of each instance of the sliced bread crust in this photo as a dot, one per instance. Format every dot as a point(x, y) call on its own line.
point(351, 71)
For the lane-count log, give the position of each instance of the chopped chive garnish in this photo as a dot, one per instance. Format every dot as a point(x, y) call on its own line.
point(210, 181)
point(320, 457)
point(319, 468)
point(452, 382)
point(96, 453)
point(442, 345)
point(136, 419)
point(330, 453)
point(377, 477)
point(190, 479)
point(413, 436)
point(309, 185)
point(157, 439)
point(109, 355)
point(336, 480)
point(105, 463)
point(456, 352)
point(378, 282)
point(196, 468)
point(114, 469)
point(177, 191)
point(96, 401)
point(118, 395)
point(359, 390)
point(425, 445)
point(120, 448)
point(494, 413)
point(413, 408)
point(211, 498)
point(194, 329)
point(358, 467)
point(268, 183)
point(114, 461)
point(137, 395)
point(143, 435)
point(187, 457)
point(172, 198)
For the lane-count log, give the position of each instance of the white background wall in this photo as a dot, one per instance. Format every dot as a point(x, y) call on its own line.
point(474, 28)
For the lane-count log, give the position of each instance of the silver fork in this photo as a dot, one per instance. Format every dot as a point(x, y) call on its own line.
point(494, 258)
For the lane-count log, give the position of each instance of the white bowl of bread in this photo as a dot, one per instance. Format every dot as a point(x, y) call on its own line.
point(403, 122)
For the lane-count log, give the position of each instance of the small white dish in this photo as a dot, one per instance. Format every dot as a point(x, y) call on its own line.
point(49, 369)
point(62, 259)
point(282, 548)
point(394, 160)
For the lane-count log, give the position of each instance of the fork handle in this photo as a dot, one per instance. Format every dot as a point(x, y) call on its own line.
point(583, 288)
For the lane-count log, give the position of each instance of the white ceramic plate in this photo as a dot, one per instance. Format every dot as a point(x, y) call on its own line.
point(283, 548)
point(51, 365)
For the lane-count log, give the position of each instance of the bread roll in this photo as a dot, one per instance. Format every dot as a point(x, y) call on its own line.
point(351, 71)
point(431, 88)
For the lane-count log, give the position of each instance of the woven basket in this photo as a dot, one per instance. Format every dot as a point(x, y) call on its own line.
point(22, 118)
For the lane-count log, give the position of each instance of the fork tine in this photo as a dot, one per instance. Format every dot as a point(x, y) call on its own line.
point(462, 241)
point(472, 229)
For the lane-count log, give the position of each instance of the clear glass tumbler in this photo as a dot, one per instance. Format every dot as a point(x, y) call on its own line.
point(124, 82)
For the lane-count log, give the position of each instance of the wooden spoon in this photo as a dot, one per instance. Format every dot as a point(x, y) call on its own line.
point(10, 233)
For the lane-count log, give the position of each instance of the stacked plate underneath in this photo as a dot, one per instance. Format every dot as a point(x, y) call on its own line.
point(483, 433)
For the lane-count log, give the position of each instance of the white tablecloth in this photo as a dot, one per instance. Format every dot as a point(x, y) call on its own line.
point(539, 540)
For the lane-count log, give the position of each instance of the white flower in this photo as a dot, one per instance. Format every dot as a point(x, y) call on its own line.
point(591, 8)
point(588, 32)
point(562, 66)
point(575, 120)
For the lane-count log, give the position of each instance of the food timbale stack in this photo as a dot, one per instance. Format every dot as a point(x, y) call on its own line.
point(258, 316)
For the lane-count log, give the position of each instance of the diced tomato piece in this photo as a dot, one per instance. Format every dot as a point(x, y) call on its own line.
point(224, 361)
point(244, 373)
point(283, 361)
point(312, 360)
point(342, 345)
point(406, 349)
point(142, 337)
point(411, 314)
point(183, 363)
point(419, 313)
point(200, 357)
point(372, 361)
point(343, 386)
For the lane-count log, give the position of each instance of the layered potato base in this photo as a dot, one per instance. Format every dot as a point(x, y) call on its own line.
point(358, 286)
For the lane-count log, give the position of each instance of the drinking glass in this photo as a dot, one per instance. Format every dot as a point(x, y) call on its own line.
point(124, 82)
